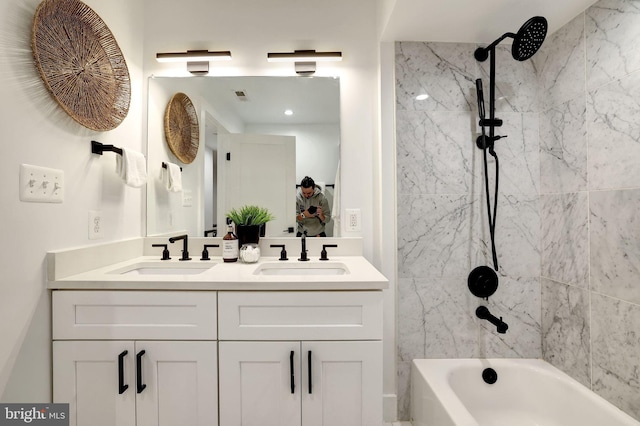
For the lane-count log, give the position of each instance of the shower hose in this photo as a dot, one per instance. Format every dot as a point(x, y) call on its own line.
point(492, 217)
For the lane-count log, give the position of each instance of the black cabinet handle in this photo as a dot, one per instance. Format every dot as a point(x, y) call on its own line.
point(121, 386)
point(309, 369)
point(139, 385)
point(293, 379)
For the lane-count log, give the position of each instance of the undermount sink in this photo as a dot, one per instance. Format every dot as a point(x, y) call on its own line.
point(302, 268)
point(164, 269)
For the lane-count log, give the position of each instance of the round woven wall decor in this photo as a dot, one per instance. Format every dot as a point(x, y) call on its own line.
point(81, 63)
point(181, 128)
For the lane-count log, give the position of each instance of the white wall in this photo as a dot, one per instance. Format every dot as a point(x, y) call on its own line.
point(386, 203)
point(36, 131)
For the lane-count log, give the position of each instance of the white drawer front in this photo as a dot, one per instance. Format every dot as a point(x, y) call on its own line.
point(108, 315)
point(352, 315)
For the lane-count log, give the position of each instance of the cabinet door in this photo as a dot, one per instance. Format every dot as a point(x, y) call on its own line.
point(344, 386)
point(181, 383)
point(260, 384)
point(87, 375)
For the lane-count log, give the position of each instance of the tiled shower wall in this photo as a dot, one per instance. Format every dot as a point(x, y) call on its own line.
point(590, 200)
point(442, 216)
point(567, 232)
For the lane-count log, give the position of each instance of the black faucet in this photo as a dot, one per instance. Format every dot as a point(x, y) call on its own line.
point(303, 253)
point(165, 252)
point(283, 252)
point(185, 245)
point(205, 251)
point(483, 313)
point(323, 253)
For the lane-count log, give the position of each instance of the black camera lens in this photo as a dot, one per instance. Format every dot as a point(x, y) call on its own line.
point(312, 209)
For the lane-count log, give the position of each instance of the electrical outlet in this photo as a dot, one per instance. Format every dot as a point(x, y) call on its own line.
point(95, 225)
point(353, 220)
point(187, 198)
point(41, 184)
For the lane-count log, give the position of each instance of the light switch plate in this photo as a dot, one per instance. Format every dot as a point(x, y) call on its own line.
point(41, 184)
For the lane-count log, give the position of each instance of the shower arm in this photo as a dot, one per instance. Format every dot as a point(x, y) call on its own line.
point(496, 42)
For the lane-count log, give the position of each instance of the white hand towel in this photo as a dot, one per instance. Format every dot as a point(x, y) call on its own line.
point(174, 178)
point(131, 166)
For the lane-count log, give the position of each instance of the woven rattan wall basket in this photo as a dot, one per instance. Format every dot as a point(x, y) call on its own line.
point(81, 63)
point(181, 128)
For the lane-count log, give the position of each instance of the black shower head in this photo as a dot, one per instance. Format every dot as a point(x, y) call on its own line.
point(525, 43)
point(529, 38)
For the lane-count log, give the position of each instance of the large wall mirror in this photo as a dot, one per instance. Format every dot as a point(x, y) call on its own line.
point(259, 136)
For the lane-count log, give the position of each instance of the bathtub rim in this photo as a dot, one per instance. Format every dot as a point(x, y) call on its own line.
point(438, 371)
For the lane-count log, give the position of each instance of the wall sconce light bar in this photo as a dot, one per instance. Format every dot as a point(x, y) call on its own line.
point(194, 56)
point(304, 56)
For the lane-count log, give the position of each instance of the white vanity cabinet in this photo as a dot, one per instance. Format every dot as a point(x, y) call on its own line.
point(138, 358)
point(300, 358)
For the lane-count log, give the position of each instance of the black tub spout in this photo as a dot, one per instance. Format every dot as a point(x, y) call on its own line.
point(483, 313)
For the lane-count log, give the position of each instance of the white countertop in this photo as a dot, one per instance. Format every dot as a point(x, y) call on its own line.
point(361, 275)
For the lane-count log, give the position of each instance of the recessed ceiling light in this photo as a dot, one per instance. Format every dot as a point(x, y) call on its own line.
point(288, 112)
point(422, 97)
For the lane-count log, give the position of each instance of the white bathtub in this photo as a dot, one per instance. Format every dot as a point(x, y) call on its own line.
point(528, 392)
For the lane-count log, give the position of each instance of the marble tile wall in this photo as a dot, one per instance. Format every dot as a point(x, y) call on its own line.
point(568, 232)
point(442, 217)
point(590, 196)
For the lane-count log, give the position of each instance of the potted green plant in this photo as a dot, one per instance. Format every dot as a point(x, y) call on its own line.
point(250, 221)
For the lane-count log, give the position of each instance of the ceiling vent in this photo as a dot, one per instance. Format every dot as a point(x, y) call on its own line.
point(241, 95)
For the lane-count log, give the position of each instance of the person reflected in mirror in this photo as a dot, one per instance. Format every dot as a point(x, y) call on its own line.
point(312, 209)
